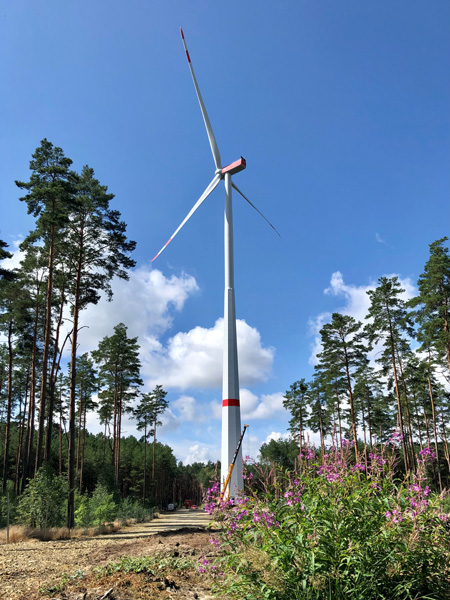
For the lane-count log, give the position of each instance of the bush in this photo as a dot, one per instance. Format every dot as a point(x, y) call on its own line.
point(333, 530)
point(133, 509)
point(44, 502)
point(98, 509)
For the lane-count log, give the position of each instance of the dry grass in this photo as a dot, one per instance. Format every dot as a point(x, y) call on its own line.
point(19, 533)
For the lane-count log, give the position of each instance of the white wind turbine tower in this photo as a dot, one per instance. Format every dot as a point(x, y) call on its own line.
point(231, 413)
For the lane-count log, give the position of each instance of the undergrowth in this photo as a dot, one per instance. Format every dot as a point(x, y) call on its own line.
point(334, 530)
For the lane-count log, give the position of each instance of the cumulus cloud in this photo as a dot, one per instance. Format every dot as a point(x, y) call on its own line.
point(145, 303)
point(269, 406)
point(356, 303)
point(275, 435)
point(200, 453)
point(193, 359)
point(17, 256)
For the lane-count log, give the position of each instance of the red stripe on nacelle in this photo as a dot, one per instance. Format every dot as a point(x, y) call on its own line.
point(230, 402)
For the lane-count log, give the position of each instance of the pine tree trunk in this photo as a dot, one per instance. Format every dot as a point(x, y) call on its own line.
point(426, 425)
point(408, 415)
point(154, 447)
point(322, 440)
point(119, 429)
point(72, 400)
point(8, 409)
point(60, 436)
point(419, 429)
point(433, 412)
point(20, 440)
point(369, 416)
point(80, 412)
point(363, 416)
point(352, 407)
point(145, 462)
point(397, 392)
point(83, 445)
point(45, 353)
point(444, 437)
point(52, 382)
point(26, 472)
point(446, 329)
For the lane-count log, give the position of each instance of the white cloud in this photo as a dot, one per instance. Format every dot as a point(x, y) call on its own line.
point(269, 406)
point(277, 436)
point(193, 359)
point(356, 304)
point(145, 303)
point(380, 239)
point(17, 255)
point(200, 453)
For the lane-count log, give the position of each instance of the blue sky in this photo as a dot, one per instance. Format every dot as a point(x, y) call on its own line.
point(341, 111)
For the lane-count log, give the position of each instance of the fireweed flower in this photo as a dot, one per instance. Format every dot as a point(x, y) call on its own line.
point(306, 453)
point(427, 455)
point(266, 518)
point(358, 467)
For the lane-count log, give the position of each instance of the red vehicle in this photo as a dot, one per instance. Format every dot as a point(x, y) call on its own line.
point(188, 503)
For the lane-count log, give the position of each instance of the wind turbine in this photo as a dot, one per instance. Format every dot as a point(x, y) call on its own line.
point(231, 412)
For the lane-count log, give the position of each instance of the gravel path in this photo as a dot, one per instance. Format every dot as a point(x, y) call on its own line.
point(27, 566)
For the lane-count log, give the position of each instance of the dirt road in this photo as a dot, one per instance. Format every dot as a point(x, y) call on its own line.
point(27, 566)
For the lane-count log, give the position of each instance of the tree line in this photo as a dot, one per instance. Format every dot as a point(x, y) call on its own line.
point(77, 246)
point(388, 374)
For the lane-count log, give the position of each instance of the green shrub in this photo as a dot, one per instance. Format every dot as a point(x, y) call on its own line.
point(44, 502)
point(133, 509)
point(101, 507)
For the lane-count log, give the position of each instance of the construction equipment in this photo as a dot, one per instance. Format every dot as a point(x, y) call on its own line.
point(231, 467)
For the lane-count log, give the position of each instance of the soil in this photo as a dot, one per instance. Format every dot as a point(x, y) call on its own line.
point(63, 569)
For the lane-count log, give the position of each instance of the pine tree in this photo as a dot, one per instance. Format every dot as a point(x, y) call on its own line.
point(319, 417)
point(344, 353)
point(13, 323)
point(4, 273)
point(390, 324)
point(86, 387)
point(433, 303)
point(96, 250)
point(295, 402)
point(143, 415)
point(119, 365)
point(158, 405)
point(50, 200)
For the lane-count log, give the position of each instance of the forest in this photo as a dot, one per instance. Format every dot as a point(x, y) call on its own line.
point(387, 376)
point(77, 246)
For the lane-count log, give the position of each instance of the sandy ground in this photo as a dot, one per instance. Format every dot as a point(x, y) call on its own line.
point(26, 567)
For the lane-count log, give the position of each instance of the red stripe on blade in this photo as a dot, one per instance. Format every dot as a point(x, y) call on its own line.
point(230, 402)
point(182, 34)
point(188, 57)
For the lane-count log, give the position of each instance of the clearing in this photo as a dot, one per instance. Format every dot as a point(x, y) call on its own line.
point(62, 569)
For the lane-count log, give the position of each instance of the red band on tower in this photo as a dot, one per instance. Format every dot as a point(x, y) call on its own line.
point(230, 402)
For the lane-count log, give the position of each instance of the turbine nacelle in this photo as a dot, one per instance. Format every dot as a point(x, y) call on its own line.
point(234, 167)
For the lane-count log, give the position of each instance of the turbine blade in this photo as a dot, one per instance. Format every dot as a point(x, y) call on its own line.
point(209, 131)
point(253, 206)
point(211, 187)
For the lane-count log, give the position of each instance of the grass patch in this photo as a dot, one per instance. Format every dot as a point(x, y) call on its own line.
point(20, 533)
